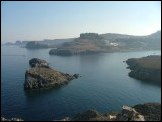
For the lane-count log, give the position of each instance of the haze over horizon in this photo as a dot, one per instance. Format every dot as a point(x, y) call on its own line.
point(54, 20)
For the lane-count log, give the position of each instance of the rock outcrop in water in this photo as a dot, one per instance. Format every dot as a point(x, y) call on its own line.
point(146, 68)
point(43, 76)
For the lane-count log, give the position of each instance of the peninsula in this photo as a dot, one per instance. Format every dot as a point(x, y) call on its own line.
point(146, 68)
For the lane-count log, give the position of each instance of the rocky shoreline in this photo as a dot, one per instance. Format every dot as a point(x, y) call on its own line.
point(41, 75)
point(146, 68)
point(139, 112)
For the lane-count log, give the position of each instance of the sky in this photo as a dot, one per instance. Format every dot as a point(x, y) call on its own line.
point(31, 20)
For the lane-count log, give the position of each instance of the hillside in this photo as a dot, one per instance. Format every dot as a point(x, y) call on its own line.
point(94, 42)
point(87, 43)
point(90, 43)
point(146, 68)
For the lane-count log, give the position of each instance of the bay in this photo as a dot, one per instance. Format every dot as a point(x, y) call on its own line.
point(104, 85)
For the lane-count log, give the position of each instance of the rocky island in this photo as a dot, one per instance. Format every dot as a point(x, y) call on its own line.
point(139, 112)
point(41, 75)
point(146, 68)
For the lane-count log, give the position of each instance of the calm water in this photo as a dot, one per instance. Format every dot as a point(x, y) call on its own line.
point(104, 85)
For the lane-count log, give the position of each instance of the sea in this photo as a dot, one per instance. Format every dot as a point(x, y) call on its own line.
point(104, 84)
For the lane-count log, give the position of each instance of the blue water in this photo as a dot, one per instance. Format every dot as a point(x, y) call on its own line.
point(104, 85)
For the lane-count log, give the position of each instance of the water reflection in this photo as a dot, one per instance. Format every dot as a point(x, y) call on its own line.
point(38, 93)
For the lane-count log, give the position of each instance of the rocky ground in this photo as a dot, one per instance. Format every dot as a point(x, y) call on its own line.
point(140, 112)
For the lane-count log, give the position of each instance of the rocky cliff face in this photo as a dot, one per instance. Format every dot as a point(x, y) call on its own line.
point(146, 68)
point(43, 76)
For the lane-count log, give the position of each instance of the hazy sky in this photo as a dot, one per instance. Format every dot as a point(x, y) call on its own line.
point(52, 20)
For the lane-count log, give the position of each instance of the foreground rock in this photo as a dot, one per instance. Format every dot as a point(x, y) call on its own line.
point(43, 76)
point(151, 111)
point(146, 68)
point(129, 114)
point(12, 119)
point(140, 112)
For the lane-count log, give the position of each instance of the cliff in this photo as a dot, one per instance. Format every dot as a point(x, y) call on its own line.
point(146, 68)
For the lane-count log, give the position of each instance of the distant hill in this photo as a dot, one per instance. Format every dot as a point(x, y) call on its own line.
point(87, 43)
point(110, 42)
point(35, 45)
point(148, 42)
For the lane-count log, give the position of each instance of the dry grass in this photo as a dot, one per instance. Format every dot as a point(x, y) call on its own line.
point(150, 62)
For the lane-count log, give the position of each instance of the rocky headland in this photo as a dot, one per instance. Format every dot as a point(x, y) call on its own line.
point(146, 68)
point(41, 75)
point(139, 112)
point(87, 43)
point(92, 43)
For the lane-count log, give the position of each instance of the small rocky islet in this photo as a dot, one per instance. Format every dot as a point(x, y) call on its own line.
point(139, 112)
point(146, 68)
point(41, 75)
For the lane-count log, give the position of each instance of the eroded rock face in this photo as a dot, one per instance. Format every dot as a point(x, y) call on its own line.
point(129, 114)
point(43, 76)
